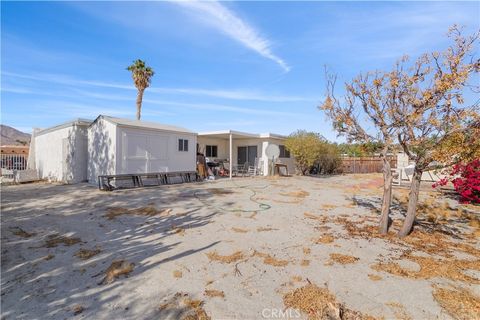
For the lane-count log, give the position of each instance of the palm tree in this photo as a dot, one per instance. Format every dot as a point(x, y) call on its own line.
point(142, 76)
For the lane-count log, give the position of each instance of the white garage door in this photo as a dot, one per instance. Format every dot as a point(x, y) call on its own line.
point(144, 153)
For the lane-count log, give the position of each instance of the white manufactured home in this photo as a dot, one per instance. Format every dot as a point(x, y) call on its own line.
point(121, 146)
point(243, 148)
point(61, 152)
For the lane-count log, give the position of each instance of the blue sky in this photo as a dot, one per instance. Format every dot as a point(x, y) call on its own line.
point(248, 66)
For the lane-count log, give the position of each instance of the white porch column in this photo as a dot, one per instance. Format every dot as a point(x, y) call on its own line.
point(231, 156)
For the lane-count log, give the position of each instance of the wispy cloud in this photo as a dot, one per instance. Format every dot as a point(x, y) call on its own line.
point(232, 94)
point(226, 21)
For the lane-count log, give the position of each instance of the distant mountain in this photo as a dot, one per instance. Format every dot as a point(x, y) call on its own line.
point(13, 137)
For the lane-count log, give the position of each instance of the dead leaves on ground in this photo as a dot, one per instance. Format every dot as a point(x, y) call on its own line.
point(458, 302)
point(268, 259)
point(342, 258)
point(55, 239)
point(117, 269)
point(148, 211)
point(184, 307)
point(319, 303)
point(86, 254)
point(234, 257)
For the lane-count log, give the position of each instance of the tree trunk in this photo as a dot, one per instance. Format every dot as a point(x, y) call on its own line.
point(387, 195)
point(412, 202)
point(139, 103)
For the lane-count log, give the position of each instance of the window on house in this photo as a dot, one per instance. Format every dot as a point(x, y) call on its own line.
point(284, 153)
point(182, 145)
point(211, 151)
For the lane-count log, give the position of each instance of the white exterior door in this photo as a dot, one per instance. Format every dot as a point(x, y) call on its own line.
point(135, 158)
point(143, 153)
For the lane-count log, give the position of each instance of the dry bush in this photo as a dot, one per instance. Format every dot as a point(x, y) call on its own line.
point(55, 239)
point(319, 303)
point(21, 233)
point(214, 293)
point(459, 303)
point(234, 257)
point(177, 274)
point(326, 238)
point(342, 258)
point(148, 211)
point(430, 268)
point(116, 269)
point(268, 259)
point(86, 254)
point(239, 230)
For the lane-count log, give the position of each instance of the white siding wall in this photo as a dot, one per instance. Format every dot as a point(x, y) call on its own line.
point(61, 155)
point(102, 139)
point(153, 151)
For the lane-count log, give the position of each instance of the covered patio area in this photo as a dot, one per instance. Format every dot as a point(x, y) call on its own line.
point(237, 148)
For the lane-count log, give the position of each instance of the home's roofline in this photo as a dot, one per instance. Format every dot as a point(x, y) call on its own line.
point(243, 134)
point(78, 122)
point(142, 124)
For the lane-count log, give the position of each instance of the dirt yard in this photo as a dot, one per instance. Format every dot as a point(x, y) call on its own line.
point(251, 248)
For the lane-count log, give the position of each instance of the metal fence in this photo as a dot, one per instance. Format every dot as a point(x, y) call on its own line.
point(13, 162)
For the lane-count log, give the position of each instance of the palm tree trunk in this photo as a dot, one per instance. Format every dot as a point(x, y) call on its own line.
point(412, 202)
point(387, 194)
point(139, 103)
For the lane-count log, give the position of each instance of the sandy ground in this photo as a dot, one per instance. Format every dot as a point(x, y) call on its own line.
point(279, 233)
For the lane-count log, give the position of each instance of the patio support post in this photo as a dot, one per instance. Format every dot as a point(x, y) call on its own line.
point(231, 156)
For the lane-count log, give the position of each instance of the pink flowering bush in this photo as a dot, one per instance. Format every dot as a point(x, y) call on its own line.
point(466, 181)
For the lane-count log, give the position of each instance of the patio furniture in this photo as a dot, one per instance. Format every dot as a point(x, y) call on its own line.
point(241, 169)
point(279, 166)
point(257, 168)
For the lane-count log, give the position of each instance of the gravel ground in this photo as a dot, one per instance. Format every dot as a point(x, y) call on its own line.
point(235, 246)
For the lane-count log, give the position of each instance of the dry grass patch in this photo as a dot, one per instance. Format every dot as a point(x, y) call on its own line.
point(86, 254)
point(117, 269)
point(374, 277)
point(265, 229)
point(219, 191)
point(19, 232)
point(305, 263)
point(148, 211)
point(319, 303)
point(177, 274)
point(55, 239)
point(77, 309)
point(239, 230)
point(399, 310)
point(452, 269)
point(184, 308)
point(327, 238)
point(322, 219)
point(234, 257)
point(342, 258)
point(295, 194)
point(307, 250)
point(458, 302)
point(268, 259)
point(214, 293)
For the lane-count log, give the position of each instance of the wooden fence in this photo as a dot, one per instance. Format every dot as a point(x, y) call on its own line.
point(365, 164)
